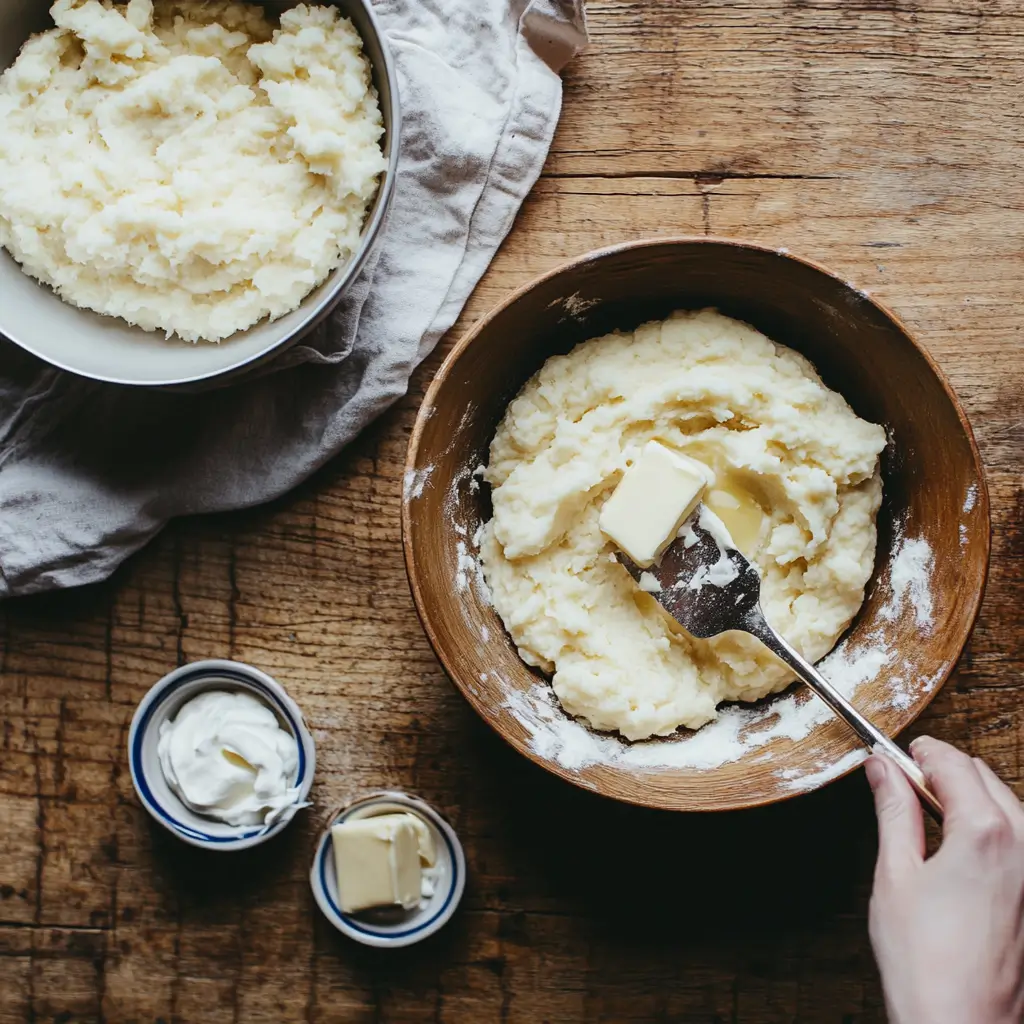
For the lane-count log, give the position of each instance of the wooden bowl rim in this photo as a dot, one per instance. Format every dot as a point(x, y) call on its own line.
point(445, 369)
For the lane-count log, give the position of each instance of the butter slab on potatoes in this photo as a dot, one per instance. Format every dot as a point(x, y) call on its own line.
point(378, 861)
point(652, 501)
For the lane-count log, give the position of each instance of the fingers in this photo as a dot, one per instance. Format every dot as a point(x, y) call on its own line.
point(971, 809)
point(900, 821)
point(1001, 794)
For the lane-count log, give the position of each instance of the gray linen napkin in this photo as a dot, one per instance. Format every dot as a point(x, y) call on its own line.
point(90, 472)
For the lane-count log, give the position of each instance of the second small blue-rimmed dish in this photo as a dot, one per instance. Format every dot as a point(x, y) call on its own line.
point(162, 704)
point(392, 927)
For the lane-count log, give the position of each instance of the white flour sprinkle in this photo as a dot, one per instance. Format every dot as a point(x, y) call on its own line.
point(467, 415)
point(971, 498)
point(910, 577)
point(415, 480)
point(901, 695)
point(452, 504)
point(574, 305)
point(738, 730)
point(796, 780)
point(470, 571)
point(963, 536)
point(466, 566)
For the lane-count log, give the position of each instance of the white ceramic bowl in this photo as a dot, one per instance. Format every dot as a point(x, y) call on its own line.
point(392, 927)
point(162, 703)
point(108, 349)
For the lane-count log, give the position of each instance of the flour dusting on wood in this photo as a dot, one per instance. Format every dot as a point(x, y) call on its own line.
point(970, 499)
point(910, 575)
point(470, 573)
point(414, 482)
point(574, 305)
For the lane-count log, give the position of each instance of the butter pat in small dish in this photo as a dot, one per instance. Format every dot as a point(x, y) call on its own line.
point(388, 870)
point(655, 496)
point(379, 861)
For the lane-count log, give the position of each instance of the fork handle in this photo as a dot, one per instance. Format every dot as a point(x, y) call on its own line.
point(870, 735)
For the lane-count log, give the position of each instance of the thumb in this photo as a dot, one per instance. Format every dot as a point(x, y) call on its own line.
point(900, 820)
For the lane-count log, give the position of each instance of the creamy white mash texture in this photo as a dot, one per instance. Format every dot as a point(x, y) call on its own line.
point(185, 166)
point(758, 416)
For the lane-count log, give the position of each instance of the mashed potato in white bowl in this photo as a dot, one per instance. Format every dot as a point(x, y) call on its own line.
point(199, 172)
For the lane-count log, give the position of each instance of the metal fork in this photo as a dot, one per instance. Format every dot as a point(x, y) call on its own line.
point(705, 610)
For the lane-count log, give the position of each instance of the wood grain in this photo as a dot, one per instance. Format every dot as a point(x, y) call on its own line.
point(878, 137)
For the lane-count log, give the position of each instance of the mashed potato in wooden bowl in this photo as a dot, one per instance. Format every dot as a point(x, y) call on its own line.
point(189, 168)
point(796, 480)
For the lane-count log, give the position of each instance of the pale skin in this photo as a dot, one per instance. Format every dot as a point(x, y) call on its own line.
point(948, 930)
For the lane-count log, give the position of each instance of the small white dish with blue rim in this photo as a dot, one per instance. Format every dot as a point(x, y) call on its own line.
point(162, 703)
point(392, 927)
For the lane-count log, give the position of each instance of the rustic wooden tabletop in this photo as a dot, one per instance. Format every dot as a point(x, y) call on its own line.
point(880, 137)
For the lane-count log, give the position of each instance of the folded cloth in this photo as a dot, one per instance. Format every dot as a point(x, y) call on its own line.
point(89, 472)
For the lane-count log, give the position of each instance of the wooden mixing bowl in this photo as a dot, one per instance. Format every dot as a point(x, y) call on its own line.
point(934, 489)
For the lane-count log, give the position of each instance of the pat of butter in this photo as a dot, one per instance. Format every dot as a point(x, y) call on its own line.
point(425, 839)
point(652, 501)
point(377, 861)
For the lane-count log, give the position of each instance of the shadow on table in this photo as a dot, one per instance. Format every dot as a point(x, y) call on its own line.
point(212, 880)
point(757, 871)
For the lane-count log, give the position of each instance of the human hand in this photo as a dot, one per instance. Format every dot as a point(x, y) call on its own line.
point(948, 932)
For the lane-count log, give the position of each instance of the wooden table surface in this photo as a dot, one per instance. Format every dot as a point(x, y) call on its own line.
point(881, 137)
